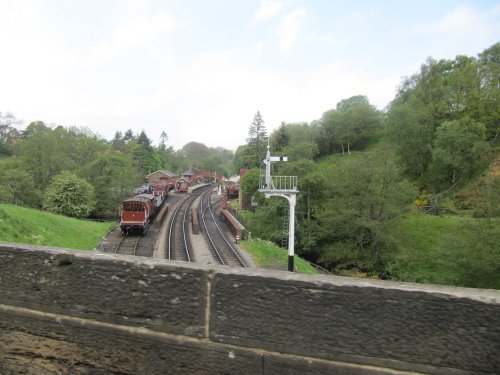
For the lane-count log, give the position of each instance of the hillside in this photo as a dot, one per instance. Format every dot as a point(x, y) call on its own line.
point(25, 225)
point(445, 249)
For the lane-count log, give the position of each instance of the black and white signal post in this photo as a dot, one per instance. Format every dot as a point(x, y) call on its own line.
point(281, 186)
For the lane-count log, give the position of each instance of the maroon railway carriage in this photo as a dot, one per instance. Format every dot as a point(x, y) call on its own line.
point(136, 213)
point(181, 185)
point(232, 191)
point(160, 189)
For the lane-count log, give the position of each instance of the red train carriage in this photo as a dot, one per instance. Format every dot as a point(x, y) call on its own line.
point(160, 189)
point(232, 191)
point(136, 213)
point(181, 185)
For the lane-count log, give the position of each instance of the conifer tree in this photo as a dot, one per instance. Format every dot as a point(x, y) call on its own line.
point(257, 137)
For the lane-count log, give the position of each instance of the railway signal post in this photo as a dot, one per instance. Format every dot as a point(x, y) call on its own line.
point(281, 186)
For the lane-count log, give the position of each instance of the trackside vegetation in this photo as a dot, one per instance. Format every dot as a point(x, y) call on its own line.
point(268, 255)
point(30, 226)
point(445, 249)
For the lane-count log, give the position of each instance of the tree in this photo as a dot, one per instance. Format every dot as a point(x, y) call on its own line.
point(250, 182)
point(411, 128)
point(279, 138)
point(363, 195)
point(117, 143)
point(350, 126)
point(163, 139)
point(257, 136)
point(146, 157)
point(8, 133)
point(17, 185)
point(458, 147)
point(113, 180)
point(295, 140)
point(464, 89)
point(489, 73)
point(69, 195)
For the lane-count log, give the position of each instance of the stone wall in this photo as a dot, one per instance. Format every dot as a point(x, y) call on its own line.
point(71, 312)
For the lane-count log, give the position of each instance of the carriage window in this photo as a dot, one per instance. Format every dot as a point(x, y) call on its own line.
point(133, 206)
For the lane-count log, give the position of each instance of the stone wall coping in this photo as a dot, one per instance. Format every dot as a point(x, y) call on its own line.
point(489, 296)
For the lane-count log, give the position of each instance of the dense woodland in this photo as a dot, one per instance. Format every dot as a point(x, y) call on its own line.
point(364, 174)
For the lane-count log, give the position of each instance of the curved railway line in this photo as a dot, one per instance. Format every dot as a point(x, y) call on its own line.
point(223, 250)
point(178, 243)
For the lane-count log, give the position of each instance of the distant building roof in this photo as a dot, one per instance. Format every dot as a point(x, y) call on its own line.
point(162, 171)
point(191, 171)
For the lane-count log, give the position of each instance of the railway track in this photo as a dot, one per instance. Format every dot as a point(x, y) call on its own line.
point(139, 245)
point(132, 244)
point(221, 246)
point(178, 243)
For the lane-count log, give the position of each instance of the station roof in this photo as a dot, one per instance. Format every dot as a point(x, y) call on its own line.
point(166, 172)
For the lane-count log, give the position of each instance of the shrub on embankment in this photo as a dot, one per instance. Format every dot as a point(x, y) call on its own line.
point(25, 225)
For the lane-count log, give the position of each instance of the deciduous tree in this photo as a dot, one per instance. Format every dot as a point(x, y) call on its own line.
point(69, 195)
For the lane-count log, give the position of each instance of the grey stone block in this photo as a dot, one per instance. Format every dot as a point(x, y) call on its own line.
point(41, 347)
point(116, 289)
point(287, 365)
point(386, 324)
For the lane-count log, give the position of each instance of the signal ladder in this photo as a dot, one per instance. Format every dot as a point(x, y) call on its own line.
point(286, 228)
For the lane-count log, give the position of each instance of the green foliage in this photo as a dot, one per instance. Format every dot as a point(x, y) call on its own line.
point(362, 194)
point(25, 225)
point(349, 127)
point(256, 141)
point(250, 182)
point(442, 116)
point(113, 180)
point(17, 186)
point(9, 135)
point(69, 195)
point(266, 221)
point(450, 250)
point(458, 147)
point(268, 255)
point(488, 71)
point(206, 158)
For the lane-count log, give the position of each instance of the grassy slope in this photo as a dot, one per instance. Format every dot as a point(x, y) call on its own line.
point(31, 226)
point(268, 255)
point(450, 250)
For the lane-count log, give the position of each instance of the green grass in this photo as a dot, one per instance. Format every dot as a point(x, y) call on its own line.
point(449, 250)
point(25, 225)
point(267, 255)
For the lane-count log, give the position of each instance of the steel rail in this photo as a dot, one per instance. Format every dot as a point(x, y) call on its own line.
point(185, 232)
point(119, 244)
point(218, 255)
point(223, 235)
point(136, 243)
point(172, 225)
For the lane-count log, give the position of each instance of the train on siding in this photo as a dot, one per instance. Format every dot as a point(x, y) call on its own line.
point(137, 212)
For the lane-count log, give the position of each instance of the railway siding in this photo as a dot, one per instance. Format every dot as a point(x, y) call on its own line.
point(76, 311)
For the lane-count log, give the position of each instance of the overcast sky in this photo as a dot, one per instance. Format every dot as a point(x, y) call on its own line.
point(200, 69)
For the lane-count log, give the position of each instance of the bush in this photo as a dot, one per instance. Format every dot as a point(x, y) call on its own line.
point(69, 195)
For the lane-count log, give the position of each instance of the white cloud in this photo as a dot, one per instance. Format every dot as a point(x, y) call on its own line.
point(290, 28)
point(140, 26)
point(268, 9)
point(463, 28)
